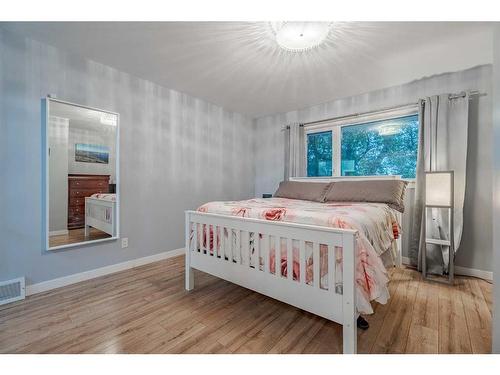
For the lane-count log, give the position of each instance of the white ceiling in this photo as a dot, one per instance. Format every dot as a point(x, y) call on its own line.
point(237, 65)
point(74, 112)
point(81, 117)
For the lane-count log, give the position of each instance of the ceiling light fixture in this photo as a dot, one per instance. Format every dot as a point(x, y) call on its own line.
point(300, 36)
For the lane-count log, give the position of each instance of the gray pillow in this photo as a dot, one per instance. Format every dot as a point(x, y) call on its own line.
point(381, 191)
point(309, 191)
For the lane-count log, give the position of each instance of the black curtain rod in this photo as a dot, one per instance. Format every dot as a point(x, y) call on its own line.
point(354, 115)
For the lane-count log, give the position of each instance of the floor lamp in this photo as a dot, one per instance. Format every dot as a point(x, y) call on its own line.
point(439, 194)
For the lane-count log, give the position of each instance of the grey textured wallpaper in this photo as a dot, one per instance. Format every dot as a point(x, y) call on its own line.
point(476, 248)
point(176, 152)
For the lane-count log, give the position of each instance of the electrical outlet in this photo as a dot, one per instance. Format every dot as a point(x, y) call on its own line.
point(124, 242)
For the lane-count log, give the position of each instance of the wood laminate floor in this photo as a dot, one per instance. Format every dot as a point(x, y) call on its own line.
point(77, 236)
point(147, 310)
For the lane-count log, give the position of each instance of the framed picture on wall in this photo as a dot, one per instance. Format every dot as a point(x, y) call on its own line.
point(88, 153)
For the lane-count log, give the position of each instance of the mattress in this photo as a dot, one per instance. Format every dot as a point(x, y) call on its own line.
point(104, 196)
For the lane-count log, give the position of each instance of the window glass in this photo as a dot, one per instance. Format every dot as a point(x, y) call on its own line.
point(319, 154)
point(387, 147)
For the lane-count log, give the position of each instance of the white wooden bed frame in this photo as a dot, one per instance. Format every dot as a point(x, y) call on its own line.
point(95, 215)
point(327, 303)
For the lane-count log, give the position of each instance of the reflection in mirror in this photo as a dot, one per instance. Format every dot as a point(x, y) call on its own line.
point(81, 174)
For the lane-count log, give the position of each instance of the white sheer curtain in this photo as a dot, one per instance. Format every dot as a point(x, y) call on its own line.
point(442, 146)
point(294, 151)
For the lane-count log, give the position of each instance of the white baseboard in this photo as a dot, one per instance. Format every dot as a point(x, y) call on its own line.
point(486, 275)
point(87, 275)
point(405, 261)
point(58, 232)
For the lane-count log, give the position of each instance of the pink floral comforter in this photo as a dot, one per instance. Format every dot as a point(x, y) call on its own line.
point(376, 224)
point(104, 196)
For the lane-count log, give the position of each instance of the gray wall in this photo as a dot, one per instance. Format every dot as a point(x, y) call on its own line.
point(476, 247)
point(496, 192)
point(176, 151)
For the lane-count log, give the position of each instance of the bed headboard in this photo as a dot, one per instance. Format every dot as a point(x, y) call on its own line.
point(346, 178)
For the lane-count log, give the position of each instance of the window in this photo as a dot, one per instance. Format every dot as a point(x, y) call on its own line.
point(386, 146)
point(319, 154)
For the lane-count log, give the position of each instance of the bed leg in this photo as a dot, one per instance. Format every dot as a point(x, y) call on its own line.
point(350, 333)
point(400, 253)
point(399, 243)
point(189, 271)
point(349, 326)
point(86, 232)
point(189, 278)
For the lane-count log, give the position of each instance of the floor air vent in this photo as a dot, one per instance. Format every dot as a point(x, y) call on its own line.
point(12, 290)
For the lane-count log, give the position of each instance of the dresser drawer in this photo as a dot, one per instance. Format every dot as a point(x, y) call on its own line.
point(76, 212)
point(82, 193)
point(77, 201)
point(88, 183)
point(77, 221)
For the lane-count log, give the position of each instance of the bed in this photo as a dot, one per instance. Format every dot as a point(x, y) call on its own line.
point(100, 213)
point(336, 251)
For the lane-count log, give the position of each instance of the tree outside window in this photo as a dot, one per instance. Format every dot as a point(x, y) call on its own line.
point(319, 154)
point(385, 147)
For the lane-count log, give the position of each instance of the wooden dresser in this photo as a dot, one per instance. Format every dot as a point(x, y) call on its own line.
point(79, 187)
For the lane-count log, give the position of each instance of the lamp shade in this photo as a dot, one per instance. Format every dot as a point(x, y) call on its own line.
point(439, 189)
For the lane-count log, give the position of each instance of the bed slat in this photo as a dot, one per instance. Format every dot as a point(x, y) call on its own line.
point(207, 234)
point(195, 238)
point(210, 241)
point(265, 252)
point(244, 247)
point(331, 268)
point(230, 243)
point(202, 237)
point(289, 259)
point(222, 242)
point(256, 246)
point(302, 261)
point(277, 255)
point(248, 255)
point(316, 264)
point(216, 240)
point(238, 246)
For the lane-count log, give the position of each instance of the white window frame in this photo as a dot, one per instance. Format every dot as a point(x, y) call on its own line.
point(335, 126)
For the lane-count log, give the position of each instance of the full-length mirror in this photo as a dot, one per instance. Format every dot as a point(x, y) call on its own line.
point(81, 174)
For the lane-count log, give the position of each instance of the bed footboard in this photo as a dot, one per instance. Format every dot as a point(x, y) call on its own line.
point(100, 214)
point(239, 250)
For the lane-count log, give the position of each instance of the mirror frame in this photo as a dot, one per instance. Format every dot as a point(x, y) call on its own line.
point(45, 176)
